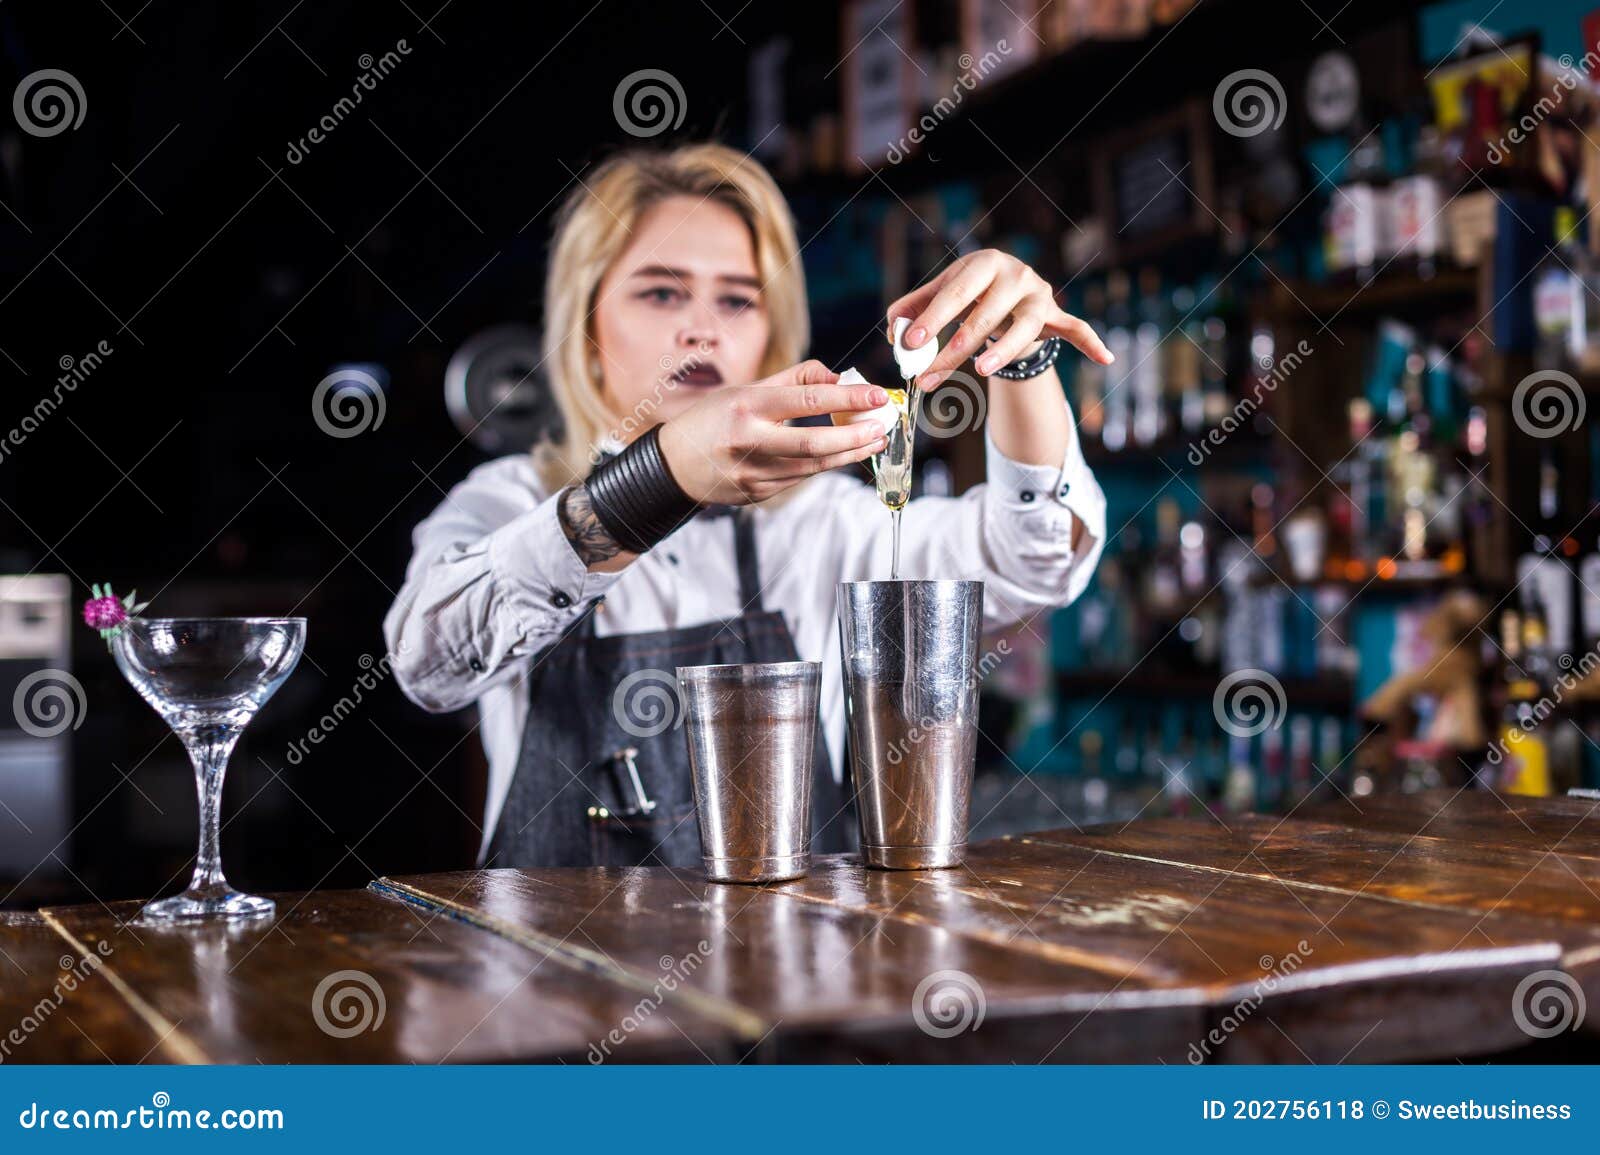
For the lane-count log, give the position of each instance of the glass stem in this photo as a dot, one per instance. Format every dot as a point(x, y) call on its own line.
point(209, 748)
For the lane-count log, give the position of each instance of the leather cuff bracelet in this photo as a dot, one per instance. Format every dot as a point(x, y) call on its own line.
point(635, 497)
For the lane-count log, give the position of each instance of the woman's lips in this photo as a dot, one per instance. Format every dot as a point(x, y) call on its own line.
point(699, 376)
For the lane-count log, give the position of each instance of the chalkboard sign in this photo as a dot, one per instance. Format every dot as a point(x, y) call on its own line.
point(1153, 183)
point(1150, 185)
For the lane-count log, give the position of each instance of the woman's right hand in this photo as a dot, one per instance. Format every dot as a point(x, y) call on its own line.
point(733, 448)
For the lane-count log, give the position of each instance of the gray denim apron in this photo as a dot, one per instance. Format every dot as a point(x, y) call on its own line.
point(578, 796)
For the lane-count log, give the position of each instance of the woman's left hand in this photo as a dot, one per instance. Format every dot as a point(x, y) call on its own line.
point(995, 291)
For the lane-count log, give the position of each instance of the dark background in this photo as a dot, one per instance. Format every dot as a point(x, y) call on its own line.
point(227, 282)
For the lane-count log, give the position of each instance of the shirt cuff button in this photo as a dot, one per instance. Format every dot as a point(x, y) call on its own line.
point(475, 665)
point(1026, 495)
point(560, 600)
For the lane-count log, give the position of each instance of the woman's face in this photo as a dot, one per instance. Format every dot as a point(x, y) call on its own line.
point(680, 312)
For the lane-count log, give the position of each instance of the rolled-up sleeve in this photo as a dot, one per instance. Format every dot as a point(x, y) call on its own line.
point(492, 580)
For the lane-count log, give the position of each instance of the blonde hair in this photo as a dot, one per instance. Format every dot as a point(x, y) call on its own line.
point(596, 224)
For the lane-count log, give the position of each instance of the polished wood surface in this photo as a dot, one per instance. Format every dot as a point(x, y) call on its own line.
point(1567, 826)
point(1397, 931)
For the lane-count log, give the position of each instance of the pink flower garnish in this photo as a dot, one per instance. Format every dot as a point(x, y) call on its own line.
point(108, 613)
point(104, 613)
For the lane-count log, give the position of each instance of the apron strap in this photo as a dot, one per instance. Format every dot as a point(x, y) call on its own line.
point(744, 550)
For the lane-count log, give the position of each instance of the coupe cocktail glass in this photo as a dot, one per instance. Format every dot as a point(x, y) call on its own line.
point(207, 677)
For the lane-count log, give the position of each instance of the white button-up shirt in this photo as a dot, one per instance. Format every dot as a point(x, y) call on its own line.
point(493, 579)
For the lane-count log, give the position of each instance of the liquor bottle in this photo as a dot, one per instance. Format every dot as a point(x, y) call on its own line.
point(1353, 231)
point(1506, 766)
point(1538, 663)
point(1550, 528)
point(1178, 783)
point(1417, 207)
point(1126, 758)
point(1413, 468)
point(1185, 350)
point(1525, 757)
point(1149, 412)
point(1096, 793)
point(1330, 749)
point(1163, 591)
point(1441, 389)
point(1090, 379)
point(1584, 340)
point(1272, 767)
point(1480, 511)
point(1215, 403)
point(1556, 293)
point(1213, 770)
point(1154, 766)
point(1300, 761)
point(1366, 483)
point(1194, 558)
point(1239, 789)
point(1263, 521)
point(1589, 585)
point(1119, 339)
point(1544, 575)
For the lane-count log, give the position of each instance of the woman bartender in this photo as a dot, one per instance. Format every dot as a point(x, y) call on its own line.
point(682, 521)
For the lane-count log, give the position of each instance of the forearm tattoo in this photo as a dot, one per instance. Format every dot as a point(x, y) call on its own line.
point(591, 540)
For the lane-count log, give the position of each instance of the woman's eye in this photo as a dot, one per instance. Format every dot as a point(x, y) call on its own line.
point(738, 304)
point(661, 295)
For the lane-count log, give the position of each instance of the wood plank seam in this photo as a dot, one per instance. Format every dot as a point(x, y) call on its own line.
point(169, 1036)
point(1268, 876)
point(744, 1022)
point(1053, 952)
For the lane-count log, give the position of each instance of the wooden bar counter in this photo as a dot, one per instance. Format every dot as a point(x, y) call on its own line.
point(1404, 929)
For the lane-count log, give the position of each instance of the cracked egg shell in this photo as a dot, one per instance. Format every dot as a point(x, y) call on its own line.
point(912, 362)
point(886, 415)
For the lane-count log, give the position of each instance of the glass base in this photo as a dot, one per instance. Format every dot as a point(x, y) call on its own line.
point(194, 906)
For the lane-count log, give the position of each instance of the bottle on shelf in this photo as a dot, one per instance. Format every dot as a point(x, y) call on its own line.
point(1583, 342)
point(1264, 521)
point(1215, 404)
point(1273, 772)
point(1185, 352)
point(1178, 782)
point(1163, 587)
point(1096, 792)
point(1353, 232)
point(1194, 558)
point(1090, 379)
point(1126, 757)
point(1239, 788)
point(1352, 551)
point(1118, 407)
point(1557, 294)
point(1480, 502)
point(1330, 751)
point(1416, 207)
point(1301, 757)
point(1149, 410)
point(1538, 663)
point(1520, 761)
point(1413, 467)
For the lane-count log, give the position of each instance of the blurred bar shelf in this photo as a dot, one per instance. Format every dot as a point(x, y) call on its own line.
point(1330, 691)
